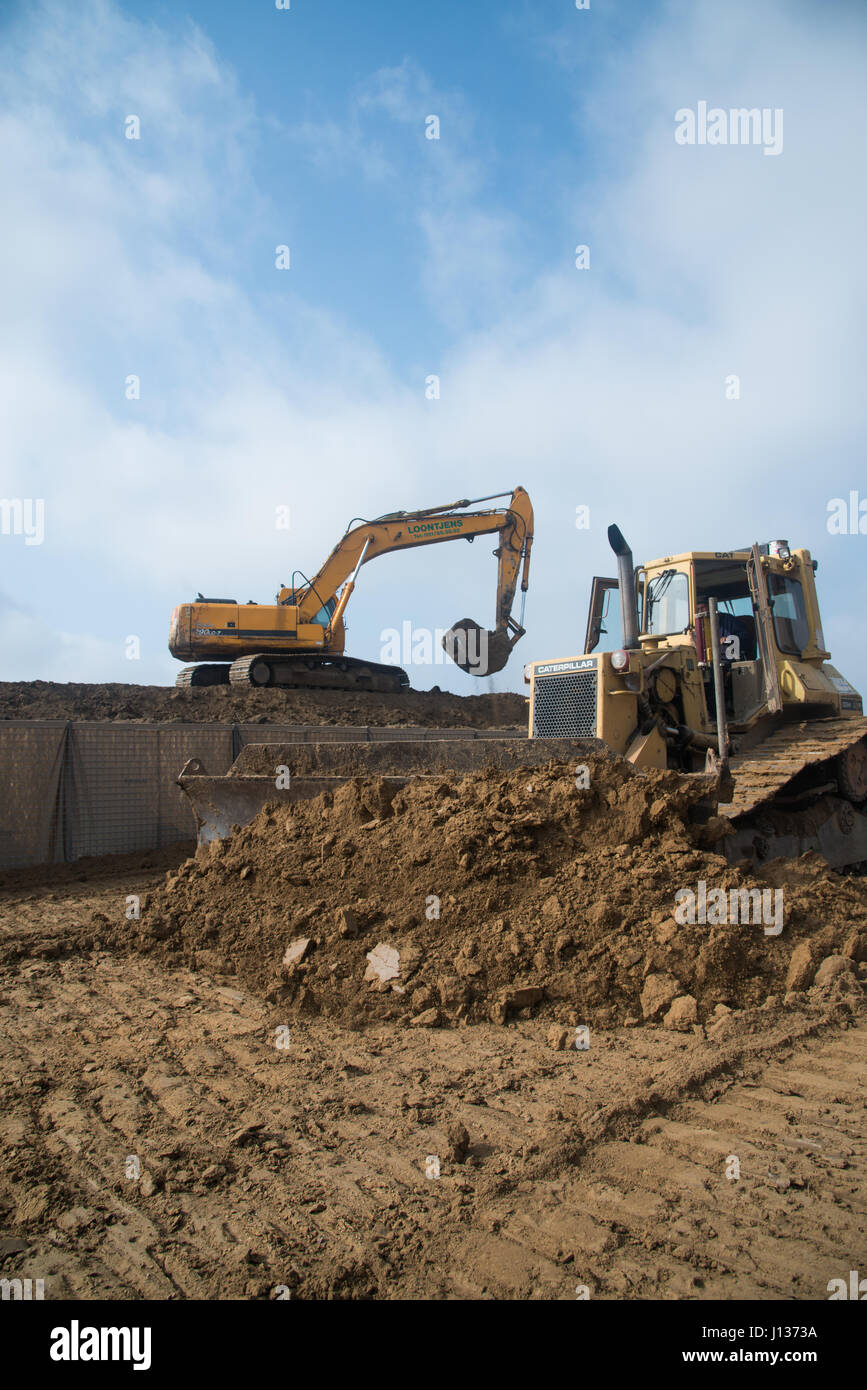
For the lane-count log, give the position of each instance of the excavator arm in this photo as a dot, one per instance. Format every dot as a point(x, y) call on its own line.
point(473, 649)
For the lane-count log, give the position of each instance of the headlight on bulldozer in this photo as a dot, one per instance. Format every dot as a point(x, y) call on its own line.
point(620, 661)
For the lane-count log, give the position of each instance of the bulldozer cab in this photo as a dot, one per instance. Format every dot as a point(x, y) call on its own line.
point(672, 605)
point(771, 643)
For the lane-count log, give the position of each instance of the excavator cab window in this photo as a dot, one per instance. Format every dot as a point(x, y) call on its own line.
point(666, 605)
point(323, 617)
point(791, 627)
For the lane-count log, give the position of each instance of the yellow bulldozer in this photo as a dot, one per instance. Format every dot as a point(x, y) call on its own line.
point(300, 639)
point(720, 664)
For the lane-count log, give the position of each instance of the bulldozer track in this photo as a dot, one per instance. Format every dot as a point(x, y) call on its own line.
point(762, 772)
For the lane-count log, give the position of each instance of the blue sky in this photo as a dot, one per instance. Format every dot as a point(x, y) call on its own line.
point(602, 387)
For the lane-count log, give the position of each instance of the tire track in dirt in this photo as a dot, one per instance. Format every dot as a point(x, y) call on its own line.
point(678, 1226)
point(305, 1167)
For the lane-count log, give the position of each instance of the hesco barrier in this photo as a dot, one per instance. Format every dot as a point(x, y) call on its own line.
point(72, 789)
point(75, 789)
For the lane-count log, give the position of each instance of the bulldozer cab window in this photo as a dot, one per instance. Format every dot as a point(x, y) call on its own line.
point(666, 603)
point(728, 584)
point(604, 629)
point(791, 627)
point(738, 607)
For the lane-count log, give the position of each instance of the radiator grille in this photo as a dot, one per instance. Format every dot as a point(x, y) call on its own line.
point(564, 706)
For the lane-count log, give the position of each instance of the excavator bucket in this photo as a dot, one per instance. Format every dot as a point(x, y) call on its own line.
point(475, 650)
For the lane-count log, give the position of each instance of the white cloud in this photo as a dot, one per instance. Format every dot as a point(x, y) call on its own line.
point(602, 387)
point(47, 652)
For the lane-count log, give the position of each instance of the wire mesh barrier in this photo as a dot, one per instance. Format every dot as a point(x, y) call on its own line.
point(75, 789)
point(31, 787)
point(71, 789)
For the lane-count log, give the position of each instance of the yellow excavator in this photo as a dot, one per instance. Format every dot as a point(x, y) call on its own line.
point(299, 640)
point(720, 663)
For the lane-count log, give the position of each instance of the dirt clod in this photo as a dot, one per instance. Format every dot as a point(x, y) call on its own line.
point(659, 991)
point(801, 967)
point(682, 1014)
point(458, 1141)
point(831, 967)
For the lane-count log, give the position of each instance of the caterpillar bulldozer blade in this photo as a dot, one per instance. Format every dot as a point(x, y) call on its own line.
point(222, 804)
point(283, 773)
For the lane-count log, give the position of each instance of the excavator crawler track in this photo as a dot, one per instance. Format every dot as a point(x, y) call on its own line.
point(290, 671)
point(207, 674)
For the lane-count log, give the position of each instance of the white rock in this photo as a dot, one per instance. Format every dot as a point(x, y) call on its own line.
point(384, 963)
point(296, 950)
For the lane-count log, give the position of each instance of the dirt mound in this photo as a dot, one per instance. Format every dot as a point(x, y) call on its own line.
point(498, 894)
point(225, 704)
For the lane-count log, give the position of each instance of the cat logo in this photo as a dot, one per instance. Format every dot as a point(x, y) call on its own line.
point(552, 668)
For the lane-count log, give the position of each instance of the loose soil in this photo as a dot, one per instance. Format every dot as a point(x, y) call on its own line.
point(296, 1161)
point(548, 1084)
point(225, 704)
point(496, 895)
